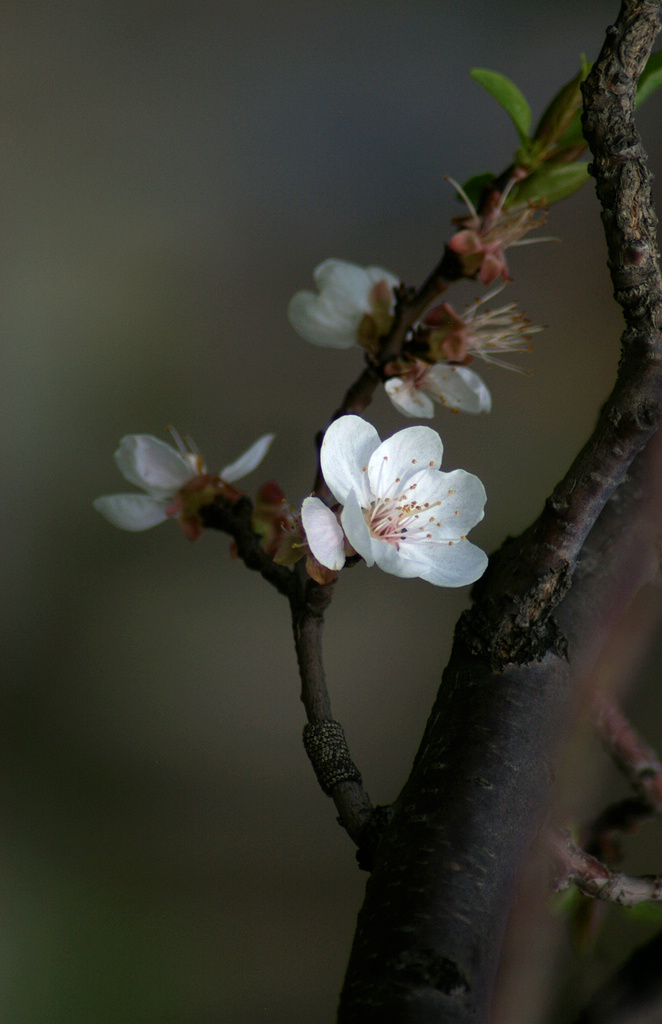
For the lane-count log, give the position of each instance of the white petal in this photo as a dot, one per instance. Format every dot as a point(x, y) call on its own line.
point(346, 285)
point(400, 456)
point(453, 503)
point(249, 461)
point(153, 465)
point(479, 388)
point(356, 529)
point(455, 565)
point(323, 533)
point(408, 400)
point(132, 511)
point(348, 444)
point(463, 502)
point(320, 322)
point(457, 387)
point(394, 560)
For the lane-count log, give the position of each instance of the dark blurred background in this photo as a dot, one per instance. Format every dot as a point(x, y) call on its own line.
point(172, 174)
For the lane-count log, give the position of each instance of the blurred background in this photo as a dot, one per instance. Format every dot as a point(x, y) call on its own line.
point(173, 172)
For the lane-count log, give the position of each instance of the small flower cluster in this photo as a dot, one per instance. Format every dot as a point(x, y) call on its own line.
point(396, 509)
point(355, 305)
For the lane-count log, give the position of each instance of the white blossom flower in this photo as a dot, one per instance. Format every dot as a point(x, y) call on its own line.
point(165, 474)
point(347, 295)
point(419, 385)
point(399, 510)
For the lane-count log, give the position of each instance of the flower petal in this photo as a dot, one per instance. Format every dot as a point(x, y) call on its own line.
point(249, 461)
point(408, 400)
point(463, 503)
point(153, 465)
point(345, 285)
point(346, 449)
point(323, 533)
point(455, 564)
point(457, 387)
point(132, 511)
point(321, 323)
point(356, 529)
point(449, 505)
point(397, 458)
point(396, 560)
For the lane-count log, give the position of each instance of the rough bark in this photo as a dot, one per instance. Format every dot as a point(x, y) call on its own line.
point(429, 933)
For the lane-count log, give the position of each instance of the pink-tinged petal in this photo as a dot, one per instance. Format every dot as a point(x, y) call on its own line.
point(377, 274)
point(455, 564)
point(492, 267)
point(348, 444)
point(249, 461)
point(319, 322)
point(323, 533)
point(356, 528)
point(132, 511)
point(458, 388)
point(465, 243)
point(397, 458)
point(408, 400)
point(153, 465)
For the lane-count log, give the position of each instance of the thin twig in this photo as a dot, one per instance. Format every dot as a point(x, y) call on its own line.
point(635, 758)
point(324, 739)
point(595, 879)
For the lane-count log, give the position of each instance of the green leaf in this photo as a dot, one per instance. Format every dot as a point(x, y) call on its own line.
point(550, 184)
point(474, 187)
point(509, 96)
point(560, 113)
point(573, 135)
point(651, 78)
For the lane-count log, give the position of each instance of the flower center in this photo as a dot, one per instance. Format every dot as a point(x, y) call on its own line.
point(396, 519)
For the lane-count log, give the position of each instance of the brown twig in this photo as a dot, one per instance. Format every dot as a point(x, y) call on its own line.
point(323, 736)
point(635, 758)
point(595, 879)
point(641, 766)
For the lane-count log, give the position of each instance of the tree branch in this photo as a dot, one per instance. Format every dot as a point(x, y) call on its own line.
point(530, 575)
point(324, 739)
point(430, 930)
point(595, 879)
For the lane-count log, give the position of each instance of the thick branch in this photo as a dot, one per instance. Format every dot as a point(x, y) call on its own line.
point(430, 931)
point(530, 575)
point(429, 934)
